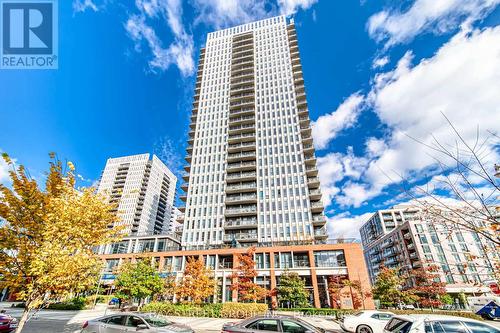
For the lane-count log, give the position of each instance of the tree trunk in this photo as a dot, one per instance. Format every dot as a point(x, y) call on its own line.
point(23, 319)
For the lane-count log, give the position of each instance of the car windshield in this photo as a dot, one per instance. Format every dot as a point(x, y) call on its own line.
point(156, 320)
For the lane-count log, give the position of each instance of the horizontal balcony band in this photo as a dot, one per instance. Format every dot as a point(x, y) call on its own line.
point(241, 112)
point(243, 166)
point(243, 211)
point(246, 198)
point(317, 207)
point(241, 176)
point(241, 223)
point(244, 237)
point(313, 182)
point(315, 194)
point(243, 137)
point(243, 156)
point(311, 170)
point(244, 187)
point(250, 119)
point(242, 146)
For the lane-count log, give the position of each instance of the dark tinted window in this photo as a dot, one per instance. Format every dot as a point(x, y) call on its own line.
point(448, 326)
point(480, 328)
point(264, 325)
point(292, 327)
point(133, 321)
point(397, 325)
point(382, 316)
point(116, 320)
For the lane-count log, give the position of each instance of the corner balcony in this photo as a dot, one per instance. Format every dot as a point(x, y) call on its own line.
point(185, 186)
point(241, 176)
point(313, 182)
point(305, 129)
point(192, 125)
point(241, 146)
point(183, 197)
point(185, 176)
point(310, 159)
point(241, 188)
point(311, 171)
point(241, 199)
point(317, 207)
point(315, 194)
point(242, 166)
point(188, 158)
point(243, 156)
point(241, 237)
point(241, 211)
point(319, 220)
point(320, 233)
point(187, 168)
point(308, 149)
point(241, 223)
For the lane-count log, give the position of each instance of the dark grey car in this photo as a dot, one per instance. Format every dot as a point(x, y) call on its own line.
point(285, 324)
point(134, 322)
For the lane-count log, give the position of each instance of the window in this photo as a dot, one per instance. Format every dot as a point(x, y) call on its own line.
point(397, 325)
point(293, 327)
point(133, 321)
point(264, 325)
point(448, 327)
point(480, 328)
point(116, 320)
point(382, 316)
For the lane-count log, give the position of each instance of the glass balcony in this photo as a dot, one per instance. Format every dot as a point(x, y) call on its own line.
point(241, 176)
point(317, 207)
point(243, 198)
point(241, 223)
point(242, 166)
point(241, 237)
point(241, 211)
point(243, 156)
point(243, 187)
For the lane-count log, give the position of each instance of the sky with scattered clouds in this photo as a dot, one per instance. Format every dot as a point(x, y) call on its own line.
point(381, 79)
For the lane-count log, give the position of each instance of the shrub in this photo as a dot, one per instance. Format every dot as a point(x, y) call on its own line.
point(242, 310)
point(185, 310)
point(439, 312)
point(77, 303)
point(336, 313)
point(89, 300)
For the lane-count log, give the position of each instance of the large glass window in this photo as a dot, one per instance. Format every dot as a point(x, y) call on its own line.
point(120, 247)
point(329, 258)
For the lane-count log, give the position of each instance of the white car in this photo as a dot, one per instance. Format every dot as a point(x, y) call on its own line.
point(437, 324)
point(370, 321)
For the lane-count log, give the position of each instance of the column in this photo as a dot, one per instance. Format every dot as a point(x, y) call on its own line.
point(317, 303)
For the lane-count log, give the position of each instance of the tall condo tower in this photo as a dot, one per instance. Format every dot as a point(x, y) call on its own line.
point(252, 175)
point(144, 190)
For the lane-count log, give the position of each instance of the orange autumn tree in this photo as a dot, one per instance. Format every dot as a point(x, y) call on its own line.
point(198, 282)
point(48, 233)
point(243, 278)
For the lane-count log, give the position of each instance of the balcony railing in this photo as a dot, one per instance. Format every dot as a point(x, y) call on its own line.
point(241, 187)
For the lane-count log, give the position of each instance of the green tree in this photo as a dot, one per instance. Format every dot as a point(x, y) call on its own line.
point(138, 280)
point(388, 288)
point(48, 235)
point(446, 299)
point(292, 290)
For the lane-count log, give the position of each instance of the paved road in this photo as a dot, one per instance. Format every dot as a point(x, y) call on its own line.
point(53, 321)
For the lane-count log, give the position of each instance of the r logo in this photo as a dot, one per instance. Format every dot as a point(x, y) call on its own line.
point(27, 28)
point(28, 33)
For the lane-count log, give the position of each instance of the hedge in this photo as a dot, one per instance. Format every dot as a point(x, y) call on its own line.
point(184, 310)
point(242, 310)
point(438, 312)
point(336, 313)
point(217, 310)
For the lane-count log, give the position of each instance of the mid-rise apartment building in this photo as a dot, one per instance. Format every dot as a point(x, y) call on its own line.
point(143, 189)
point(251, 175)
point(407, 238)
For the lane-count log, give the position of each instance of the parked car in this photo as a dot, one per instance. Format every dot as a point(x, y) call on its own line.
point(286, 324)
point(7, 323)
point(437, 324)
point(134, 322)
point(370, 321)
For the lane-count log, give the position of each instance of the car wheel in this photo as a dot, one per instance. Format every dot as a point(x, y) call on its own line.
point(363, 329)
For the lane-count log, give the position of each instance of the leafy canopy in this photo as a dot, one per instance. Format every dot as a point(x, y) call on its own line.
point(138, 280)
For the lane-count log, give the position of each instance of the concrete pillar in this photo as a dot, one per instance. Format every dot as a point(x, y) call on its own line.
point(235, 264)
point(272, 274)
point(314, 280)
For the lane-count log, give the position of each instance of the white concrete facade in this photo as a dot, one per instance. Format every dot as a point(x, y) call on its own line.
point(252, 175)
point(144, 191)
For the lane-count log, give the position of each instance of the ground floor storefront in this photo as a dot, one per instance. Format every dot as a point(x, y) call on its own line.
point(319, 265)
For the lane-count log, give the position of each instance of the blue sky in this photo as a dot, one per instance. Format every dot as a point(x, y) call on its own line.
point(377, 74)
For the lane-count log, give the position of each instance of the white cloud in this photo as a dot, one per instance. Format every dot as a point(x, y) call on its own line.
point(335, 167)
point(395, 27)
point(4, 171)
point(326, 127)
point(82, 5)
point(179, 52)
point(289, 7)
point(345, 225)
point(462, 81)
point(380, 62)
point(222, 13)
